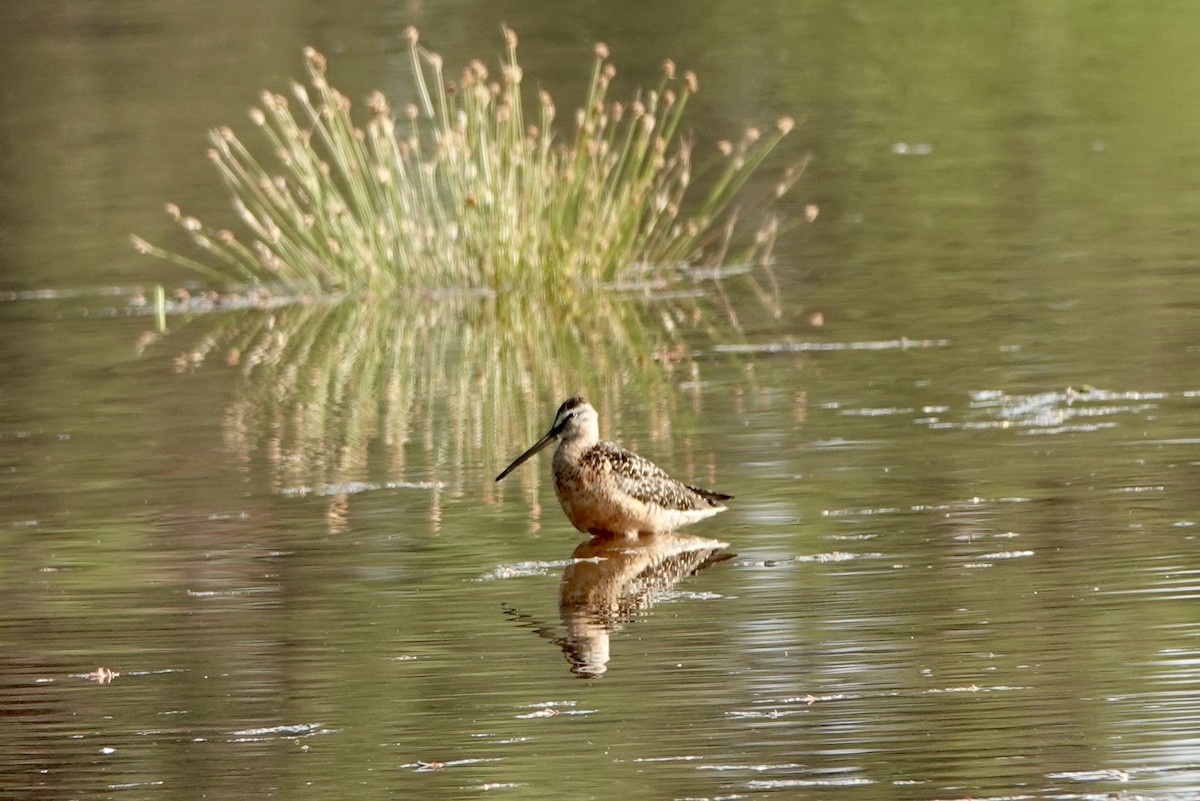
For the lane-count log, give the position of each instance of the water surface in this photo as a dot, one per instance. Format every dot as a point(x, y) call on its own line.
point(962, 557)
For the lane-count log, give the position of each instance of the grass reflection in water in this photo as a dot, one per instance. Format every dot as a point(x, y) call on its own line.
point(433, 386)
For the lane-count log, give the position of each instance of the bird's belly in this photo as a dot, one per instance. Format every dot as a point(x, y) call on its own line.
point(595, 509)
point(590, 512)
point(592, 509)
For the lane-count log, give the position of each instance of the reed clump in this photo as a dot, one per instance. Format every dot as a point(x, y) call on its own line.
point(473, 184)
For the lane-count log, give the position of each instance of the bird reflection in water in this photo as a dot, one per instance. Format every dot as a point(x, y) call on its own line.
point(611, 580)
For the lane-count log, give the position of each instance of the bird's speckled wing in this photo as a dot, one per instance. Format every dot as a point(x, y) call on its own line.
point(645, 481)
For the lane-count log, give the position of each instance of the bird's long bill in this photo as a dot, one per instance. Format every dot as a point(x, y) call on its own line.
point(537, 446)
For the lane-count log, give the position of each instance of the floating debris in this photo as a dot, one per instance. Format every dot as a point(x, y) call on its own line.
point(550, 709)
point(356, 487)
point(1006, 555)
point(867, 412)
point(544, 712)
point(522, 570)
point(422, 765)
point(777, 784)
point(860, 512)
point(100, 675)
point(903, 343)
point(286, 730)
point(1101, 775)
point(836, 556)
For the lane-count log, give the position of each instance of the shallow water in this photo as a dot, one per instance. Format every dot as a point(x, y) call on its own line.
point(962, 558)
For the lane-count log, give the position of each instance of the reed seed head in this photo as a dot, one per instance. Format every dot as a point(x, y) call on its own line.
point(668, 68)
point(382, 127)
point(315, 60)
point(378, 104)
point(258, 117)
point(601, 50)
point(690, 81)
point(411, 36)
point(785, 125)
point(510, 38)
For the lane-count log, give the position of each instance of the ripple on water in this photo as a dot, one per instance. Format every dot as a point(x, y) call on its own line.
point(1049, 413)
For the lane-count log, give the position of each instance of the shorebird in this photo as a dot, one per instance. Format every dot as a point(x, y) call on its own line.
point(605, 489)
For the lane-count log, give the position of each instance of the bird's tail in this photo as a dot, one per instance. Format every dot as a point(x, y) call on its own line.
point(710, 496)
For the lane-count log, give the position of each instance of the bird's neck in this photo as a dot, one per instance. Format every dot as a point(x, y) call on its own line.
point(573, 446)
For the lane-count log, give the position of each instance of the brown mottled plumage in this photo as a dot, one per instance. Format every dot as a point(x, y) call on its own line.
point(604, 488)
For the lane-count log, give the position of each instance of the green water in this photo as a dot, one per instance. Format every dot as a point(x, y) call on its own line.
point(962, 558)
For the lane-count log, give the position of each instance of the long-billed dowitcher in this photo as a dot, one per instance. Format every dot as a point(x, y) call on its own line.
point(605, 489)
